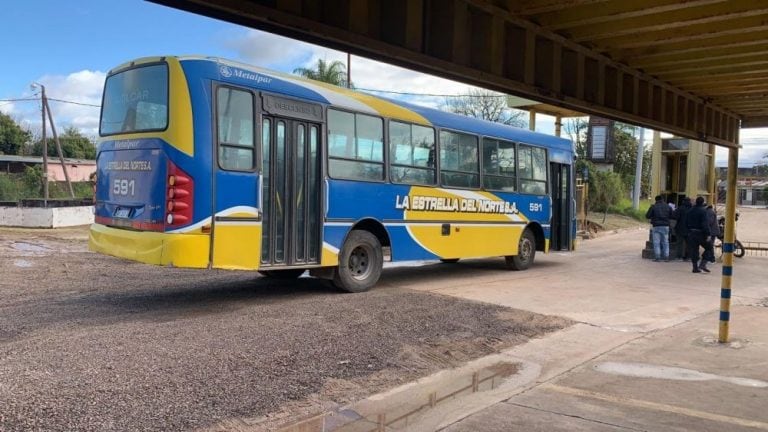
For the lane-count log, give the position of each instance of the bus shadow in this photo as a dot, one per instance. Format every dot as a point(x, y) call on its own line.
point(145, 302)
point(480, 268)
point(111, 302)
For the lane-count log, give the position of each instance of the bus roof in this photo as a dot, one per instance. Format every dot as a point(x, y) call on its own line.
point(340, 97)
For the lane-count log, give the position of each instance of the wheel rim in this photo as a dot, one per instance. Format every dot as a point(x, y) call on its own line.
point(525, 249)
point(359, 263)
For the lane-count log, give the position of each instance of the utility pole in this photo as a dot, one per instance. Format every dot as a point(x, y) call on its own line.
point(639, 170)
point(58, 148)
point(46, 109)
point(45, 147)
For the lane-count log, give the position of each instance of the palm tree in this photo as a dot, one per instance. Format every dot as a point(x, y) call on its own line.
point(334, 72)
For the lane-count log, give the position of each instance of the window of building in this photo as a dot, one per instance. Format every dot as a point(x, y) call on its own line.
point(599, 141)
point(532, 169)
point(234, 122)
point(355, 146)
point(412, 153)
point(459, 164)
point(499, 165)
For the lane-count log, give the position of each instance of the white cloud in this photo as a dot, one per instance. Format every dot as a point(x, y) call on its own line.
point(83, 87)
point(277, 52)
point(266, 49)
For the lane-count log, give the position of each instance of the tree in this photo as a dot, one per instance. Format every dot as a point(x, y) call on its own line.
point(12, 136)
point(486, 105)
point(334, 72)
point(576, 129)
point(73, 144)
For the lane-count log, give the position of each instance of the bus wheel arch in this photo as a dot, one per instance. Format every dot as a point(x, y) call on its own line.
point(530, 239)
point(538, 234)
point(361, 257)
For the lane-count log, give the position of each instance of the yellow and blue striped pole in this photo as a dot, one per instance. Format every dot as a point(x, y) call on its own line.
point(728, 241)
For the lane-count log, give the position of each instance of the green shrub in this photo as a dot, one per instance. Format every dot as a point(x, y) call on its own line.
point(29, 185)
point(624, 207)
point(605, 190)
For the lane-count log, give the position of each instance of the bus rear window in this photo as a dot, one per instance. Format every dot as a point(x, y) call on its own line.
point(135, 100)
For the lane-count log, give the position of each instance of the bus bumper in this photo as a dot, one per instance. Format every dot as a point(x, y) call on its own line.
point(178, 250)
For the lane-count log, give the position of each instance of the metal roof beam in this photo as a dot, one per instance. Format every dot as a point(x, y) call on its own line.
point(691, 20)
point(532, 7)
point(755, 121)
point(698, 54)
point(734, 33)
point(481, 42)
point(588, 14)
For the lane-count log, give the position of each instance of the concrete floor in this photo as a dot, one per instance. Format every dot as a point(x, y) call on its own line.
point(643, 356)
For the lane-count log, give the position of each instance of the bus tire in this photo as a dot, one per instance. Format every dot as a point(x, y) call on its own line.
point(282, 274)
point(360, 262)
point(449, 260)
point(526, 252)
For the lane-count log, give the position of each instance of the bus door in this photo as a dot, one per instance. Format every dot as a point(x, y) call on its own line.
point(235, 229)
point(560, 174)
point(290, 192)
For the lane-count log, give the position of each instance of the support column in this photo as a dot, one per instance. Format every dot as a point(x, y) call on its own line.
point(558, 125)
point(728, 240)
point(532, 120)
point(712, 179)
point(657, 180)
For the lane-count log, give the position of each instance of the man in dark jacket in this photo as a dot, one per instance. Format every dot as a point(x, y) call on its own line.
point(659, 214)
point(714, 231)
point(698, 235)
point(681, 229)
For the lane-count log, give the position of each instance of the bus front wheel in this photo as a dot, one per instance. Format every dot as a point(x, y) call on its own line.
point(526, 252)
point(360, 262)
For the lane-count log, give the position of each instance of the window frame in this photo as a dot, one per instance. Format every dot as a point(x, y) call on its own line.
point(439, 160)
point(520, 179)
point(256, 115)
point(384, 144)
point(167, 98)
point(390, 158)
point(515, 145)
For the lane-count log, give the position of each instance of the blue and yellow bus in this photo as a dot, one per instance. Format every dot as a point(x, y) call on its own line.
point(208, 163)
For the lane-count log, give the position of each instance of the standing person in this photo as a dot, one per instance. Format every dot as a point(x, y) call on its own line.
point(681, 228)
point(698, 235)
point(659, 214)
point(714, 231)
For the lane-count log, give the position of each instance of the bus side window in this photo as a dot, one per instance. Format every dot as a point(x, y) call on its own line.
point(499, 165)
point(412, 150)
point(355, 146)
point(234, 121)
point(532, 166)
point(459, 162)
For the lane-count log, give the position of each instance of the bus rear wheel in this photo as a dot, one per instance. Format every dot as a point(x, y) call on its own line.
point(360, 262)
point(282, 274)
point(526, 252)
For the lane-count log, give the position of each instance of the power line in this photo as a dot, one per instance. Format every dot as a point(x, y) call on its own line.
point(50, 99)
point(429, 94)
point(74, 103)
point(360, 89)
point(19, 99)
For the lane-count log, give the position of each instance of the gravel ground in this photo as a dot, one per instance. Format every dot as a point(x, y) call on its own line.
point(89, 342)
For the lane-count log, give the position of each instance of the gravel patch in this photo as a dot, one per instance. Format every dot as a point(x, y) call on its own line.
point(92, 343)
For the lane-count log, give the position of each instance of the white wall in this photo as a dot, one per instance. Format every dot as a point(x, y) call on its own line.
point(36, 217)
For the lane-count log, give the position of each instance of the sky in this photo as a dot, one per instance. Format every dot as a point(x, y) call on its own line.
point(70, 46)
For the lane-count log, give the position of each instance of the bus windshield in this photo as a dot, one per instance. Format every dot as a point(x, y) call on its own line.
point(135, 100)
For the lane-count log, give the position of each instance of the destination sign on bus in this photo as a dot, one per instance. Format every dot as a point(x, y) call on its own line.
point(462, 205)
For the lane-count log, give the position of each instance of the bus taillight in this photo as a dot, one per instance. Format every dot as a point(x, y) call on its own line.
point(180, 187)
